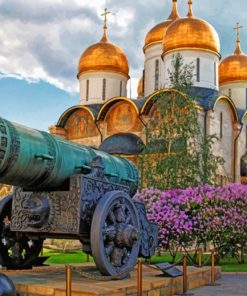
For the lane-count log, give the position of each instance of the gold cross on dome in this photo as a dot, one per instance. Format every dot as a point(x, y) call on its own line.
point(237, 28)
point(105, 15)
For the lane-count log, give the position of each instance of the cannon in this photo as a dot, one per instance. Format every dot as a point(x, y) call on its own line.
point(69, 191)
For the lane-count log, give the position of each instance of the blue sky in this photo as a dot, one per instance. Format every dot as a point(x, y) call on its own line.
point(41, 42)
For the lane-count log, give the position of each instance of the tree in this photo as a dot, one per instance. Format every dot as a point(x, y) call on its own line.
point(177, 153)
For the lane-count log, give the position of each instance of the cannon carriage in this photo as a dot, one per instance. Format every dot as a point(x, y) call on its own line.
point(65, 190)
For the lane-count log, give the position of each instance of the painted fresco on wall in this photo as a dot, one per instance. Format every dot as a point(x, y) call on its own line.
point(4, 190)
point(122, 117)
point(80, 125)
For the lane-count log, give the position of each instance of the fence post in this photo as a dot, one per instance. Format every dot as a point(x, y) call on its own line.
point(200, 258)
point(212, 269)
point(184, 273)
point(139, 278)
point(68, 280)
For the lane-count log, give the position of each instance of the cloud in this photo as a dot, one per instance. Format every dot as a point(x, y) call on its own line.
point(43, 39)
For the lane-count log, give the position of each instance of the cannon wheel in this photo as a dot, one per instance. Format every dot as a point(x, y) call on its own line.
point(115, 232)
point(17, 251)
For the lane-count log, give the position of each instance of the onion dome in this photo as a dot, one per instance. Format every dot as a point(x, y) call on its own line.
point(234, 67)
point(104, 56)
point(140, 89)
point(191, 33)
point(156, 34)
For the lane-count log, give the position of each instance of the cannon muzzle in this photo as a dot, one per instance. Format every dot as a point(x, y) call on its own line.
point(36, 160)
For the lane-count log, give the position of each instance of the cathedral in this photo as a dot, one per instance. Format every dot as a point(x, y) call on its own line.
point(107, 119)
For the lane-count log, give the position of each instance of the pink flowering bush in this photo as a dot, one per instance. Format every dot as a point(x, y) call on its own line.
point(195, 216)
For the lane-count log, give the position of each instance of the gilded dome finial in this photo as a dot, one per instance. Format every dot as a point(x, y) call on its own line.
point(238, 49)
point(190, 11)
point(174, 13)
point(104, 37)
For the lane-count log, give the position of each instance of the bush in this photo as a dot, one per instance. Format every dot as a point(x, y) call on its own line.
point(201, 215)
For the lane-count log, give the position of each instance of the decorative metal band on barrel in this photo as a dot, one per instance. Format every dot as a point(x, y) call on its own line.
point(8, 134)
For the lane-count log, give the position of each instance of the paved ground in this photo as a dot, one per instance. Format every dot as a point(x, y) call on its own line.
point(229, 285)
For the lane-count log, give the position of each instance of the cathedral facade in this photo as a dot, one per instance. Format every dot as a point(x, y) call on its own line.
point(107, 119)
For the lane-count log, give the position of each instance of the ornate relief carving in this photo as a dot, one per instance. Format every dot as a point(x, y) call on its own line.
point(149, 233)
point(62, 211)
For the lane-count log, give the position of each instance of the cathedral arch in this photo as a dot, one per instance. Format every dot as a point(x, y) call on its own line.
point(154, 97)
point(79, 123)
point(230, 103)
point(119, 115)
point(107, 106)
point(64, 117)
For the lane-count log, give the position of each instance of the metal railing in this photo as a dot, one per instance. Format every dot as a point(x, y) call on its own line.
point(183, 260)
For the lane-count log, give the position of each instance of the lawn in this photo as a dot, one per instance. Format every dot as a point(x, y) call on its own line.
point(227, 264)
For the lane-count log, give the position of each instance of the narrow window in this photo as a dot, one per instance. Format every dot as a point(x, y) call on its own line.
point(215, 74)
point(221, 125)
point(87, 90)
point(156, 76)
point(104, 89)
point(246, 98)
point(120, 88)
point(230, 92)
point(143, 78)
point(198, 69)
point(246, 137)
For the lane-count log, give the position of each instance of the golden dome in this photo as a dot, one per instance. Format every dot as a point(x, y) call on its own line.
point(156, 34)
point(103, 56)
point(140, 89)
point(191, 33)
point(234, 67)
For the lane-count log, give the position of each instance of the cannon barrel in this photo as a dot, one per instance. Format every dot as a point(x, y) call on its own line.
point(36, 160)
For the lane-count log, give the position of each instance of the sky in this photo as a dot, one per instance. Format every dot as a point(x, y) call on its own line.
point(41, 42)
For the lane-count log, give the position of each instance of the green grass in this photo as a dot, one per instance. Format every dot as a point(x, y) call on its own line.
point(227, 264)
point(65, 258)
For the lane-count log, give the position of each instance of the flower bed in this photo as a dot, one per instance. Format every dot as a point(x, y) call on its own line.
point(197, 216)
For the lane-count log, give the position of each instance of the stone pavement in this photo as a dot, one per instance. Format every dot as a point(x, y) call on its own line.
point(230, 285)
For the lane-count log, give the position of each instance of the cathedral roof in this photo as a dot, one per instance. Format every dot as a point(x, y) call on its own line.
point(103, 56)
point(191, 33)
point(234, 67)
point(156, 34)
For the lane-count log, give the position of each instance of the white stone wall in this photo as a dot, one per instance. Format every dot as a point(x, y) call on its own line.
point(95, 93)
point(242, 143)
point(153, 53)
point(237, 92)
point(209, 73)
point(223, 146)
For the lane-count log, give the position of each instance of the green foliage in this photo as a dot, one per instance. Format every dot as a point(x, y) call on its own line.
point(177, 153)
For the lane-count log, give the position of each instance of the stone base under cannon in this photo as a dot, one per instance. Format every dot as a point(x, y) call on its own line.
point(51, 281)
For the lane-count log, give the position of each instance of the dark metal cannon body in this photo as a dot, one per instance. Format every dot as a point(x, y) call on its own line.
point(65, 190)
